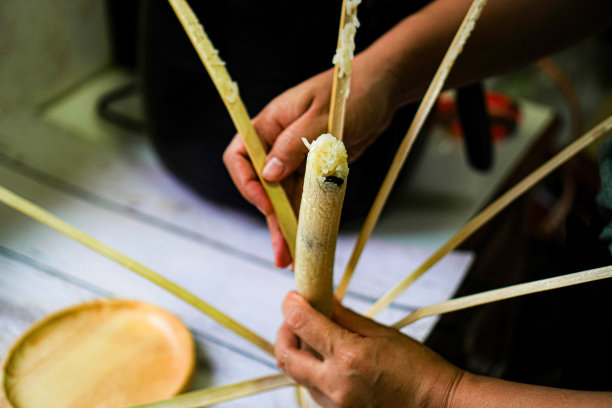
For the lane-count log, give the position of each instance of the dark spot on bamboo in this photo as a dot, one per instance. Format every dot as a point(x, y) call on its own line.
point(333, 179)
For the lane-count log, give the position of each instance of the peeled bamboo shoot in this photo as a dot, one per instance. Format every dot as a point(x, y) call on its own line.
point(322, 198)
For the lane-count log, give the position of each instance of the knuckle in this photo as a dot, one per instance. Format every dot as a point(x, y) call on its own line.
point(349, 358)
point(227, 156)
point(296, 319)
point(343, 397)
point(274, 108)
point(282, 360)
point(251, 189)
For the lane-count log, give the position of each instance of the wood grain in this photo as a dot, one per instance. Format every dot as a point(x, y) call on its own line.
point(103, 354)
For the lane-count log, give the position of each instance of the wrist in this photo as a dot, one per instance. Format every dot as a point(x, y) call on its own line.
point(443, 388)
point(379, 69)
point(402, 60)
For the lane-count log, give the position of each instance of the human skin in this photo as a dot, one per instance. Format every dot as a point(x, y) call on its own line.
point(365, 364)
point(396, 70)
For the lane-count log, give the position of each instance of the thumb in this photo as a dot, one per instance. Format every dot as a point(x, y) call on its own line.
point(288, 151)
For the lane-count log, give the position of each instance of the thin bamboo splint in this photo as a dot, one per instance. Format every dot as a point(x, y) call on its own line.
point(22, 205)
point(343, 68)
point(224, 393)
point(493, 209)
point(228, 90)
point(400, 157)
point(506, 293)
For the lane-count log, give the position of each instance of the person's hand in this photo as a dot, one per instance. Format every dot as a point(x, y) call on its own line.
point(364, 364)
point(302, 112)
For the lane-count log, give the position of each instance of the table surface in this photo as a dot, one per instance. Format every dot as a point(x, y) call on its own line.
point(110, 185)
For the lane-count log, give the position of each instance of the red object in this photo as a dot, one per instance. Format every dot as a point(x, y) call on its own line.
point(504, 115)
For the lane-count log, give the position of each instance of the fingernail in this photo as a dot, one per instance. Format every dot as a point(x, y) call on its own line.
point(273, 169)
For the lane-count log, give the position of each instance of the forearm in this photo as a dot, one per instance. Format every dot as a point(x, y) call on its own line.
point(481, 392)
point(509, 34)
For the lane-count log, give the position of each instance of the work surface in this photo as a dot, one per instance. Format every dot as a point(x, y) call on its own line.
point(115, 190)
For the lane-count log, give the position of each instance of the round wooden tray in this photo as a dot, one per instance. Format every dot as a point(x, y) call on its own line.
point(102, 354)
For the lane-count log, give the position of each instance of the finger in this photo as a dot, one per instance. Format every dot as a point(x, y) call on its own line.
point(355, 322)
point(300, 365)
point(244, 177)
point(312, 327)
point(282, 256)
point(294, 187)
point(281, 112)
point(288, 151)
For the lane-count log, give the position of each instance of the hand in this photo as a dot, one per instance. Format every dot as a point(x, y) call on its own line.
point(363, 363)
point(300, 112)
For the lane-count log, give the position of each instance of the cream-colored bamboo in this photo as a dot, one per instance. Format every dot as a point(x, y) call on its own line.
point(506, 293)
point(22, 205)
point(343, 68)
point(493, 209)
point(322, 198)
point(228, 90)
point(400, 157)
point(224, 393)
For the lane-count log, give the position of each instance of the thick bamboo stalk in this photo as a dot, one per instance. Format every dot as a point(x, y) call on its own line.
point(224, 393)
point(493, 209)
point(400, 157)
point(343, 67)
point(228, 90)
point(22, 205)
point(322, 198)
point(506, 293)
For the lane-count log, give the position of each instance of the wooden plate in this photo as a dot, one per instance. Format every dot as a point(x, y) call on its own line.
point(102, 354)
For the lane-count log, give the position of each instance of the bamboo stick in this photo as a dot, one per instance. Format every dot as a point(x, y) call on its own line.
point(231, 98)
point(322, 197)
point(342, 69)
point(224, 393)
point(506, 293)
point(22, 205)
point(494, 209)
point(400, 157)
point(324, 188)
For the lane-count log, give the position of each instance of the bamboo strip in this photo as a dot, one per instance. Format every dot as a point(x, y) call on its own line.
point(493, 209)
point(342, 80)
point(224, 393)
point(506, 293)
point(228, 90)
point(400, 157)
point(22, 205)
